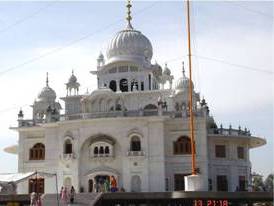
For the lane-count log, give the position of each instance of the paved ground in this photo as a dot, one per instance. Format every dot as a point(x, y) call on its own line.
point(81, 199)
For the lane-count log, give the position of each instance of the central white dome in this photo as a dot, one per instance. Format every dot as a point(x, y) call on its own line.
point(128, 44)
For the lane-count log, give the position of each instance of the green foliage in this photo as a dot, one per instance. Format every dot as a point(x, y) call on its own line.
point(268, 183)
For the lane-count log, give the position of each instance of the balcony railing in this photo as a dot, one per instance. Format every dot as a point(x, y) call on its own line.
point(69, 156)
point(229, 132)
point(112, 114)
point(135, 153)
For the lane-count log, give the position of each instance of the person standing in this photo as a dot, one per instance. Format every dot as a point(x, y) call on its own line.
point(72, 195)
point(64, 195)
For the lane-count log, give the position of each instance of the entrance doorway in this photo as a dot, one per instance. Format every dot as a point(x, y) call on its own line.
point(179, 182)
point(90, 185)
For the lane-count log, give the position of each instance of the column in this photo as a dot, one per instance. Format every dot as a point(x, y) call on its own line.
point(118, 85)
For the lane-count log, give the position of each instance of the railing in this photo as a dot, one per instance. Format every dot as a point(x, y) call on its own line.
point(230, 131)
point(109, 114)
point(69, 156)
point(101, 155)
point(135, 153)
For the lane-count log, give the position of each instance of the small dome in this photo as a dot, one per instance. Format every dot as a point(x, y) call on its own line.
point(183, 83)
point(47, 93)
point(72, 78)
point(166, 70)
point(129, 44)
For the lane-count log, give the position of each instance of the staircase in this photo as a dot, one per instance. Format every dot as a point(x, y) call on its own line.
point(81, 199)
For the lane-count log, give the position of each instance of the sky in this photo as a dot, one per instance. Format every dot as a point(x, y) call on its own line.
point(232, 44)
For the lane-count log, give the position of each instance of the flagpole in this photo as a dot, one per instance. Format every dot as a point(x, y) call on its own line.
point(190, 95)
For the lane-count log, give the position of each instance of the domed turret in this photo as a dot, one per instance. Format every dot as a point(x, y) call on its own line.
point(100, 60)
point(167, 70)
point(72, 78)
point(72, 85)
point(183, 82)
point(47, 94)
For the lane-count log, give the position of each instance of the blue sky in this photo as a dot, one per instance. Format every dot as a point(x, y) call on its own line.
point(237, 32)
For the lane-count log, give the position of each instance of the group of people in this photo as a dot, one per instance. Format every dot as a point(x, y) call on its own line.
point(67, 195)
point(106, 185)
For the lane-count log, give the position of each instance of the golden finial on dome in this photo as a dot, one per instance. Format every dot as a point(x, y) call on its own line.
point(129, 18)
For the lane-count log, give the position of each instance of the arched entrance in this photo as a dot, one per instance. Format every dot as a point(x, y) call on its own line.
point(102, 182)
point(97, 151)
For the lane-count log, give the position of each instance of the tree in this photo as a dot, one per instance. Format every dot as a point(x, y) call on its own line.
point(257, 182)
point(268, 183)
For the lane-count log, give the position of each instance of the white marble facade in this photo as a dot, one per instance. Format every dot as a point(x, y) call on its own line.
point(127, 128)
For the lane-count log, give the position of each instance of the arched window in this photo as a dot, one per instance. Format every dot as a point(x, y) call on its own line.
point(182, 146)
point(106, 150)
point(37, 152)
point(68, 147)
point(95, 151)
point(123, 85)
point(112, 85)
point(135, 144)
point(101, 150)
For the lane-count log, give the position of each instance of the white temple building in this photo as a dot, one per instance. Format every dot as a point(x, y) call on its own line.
point(132, 127)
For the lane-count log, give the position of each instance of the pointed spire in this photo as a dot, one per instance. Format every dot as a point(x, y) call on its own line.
point(72, 72)
point(47, 80)
point(129, 18)
point(183, 69)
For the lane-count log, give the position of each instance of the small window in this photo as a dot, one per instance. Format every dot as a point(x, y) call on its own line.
point(37, 152)
point(135, 144)
point(106, 150)
point(101, 151)
point(68, 147)
point(182, 146)
point(240, 151)
point(96, 151)
point(220, 151)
